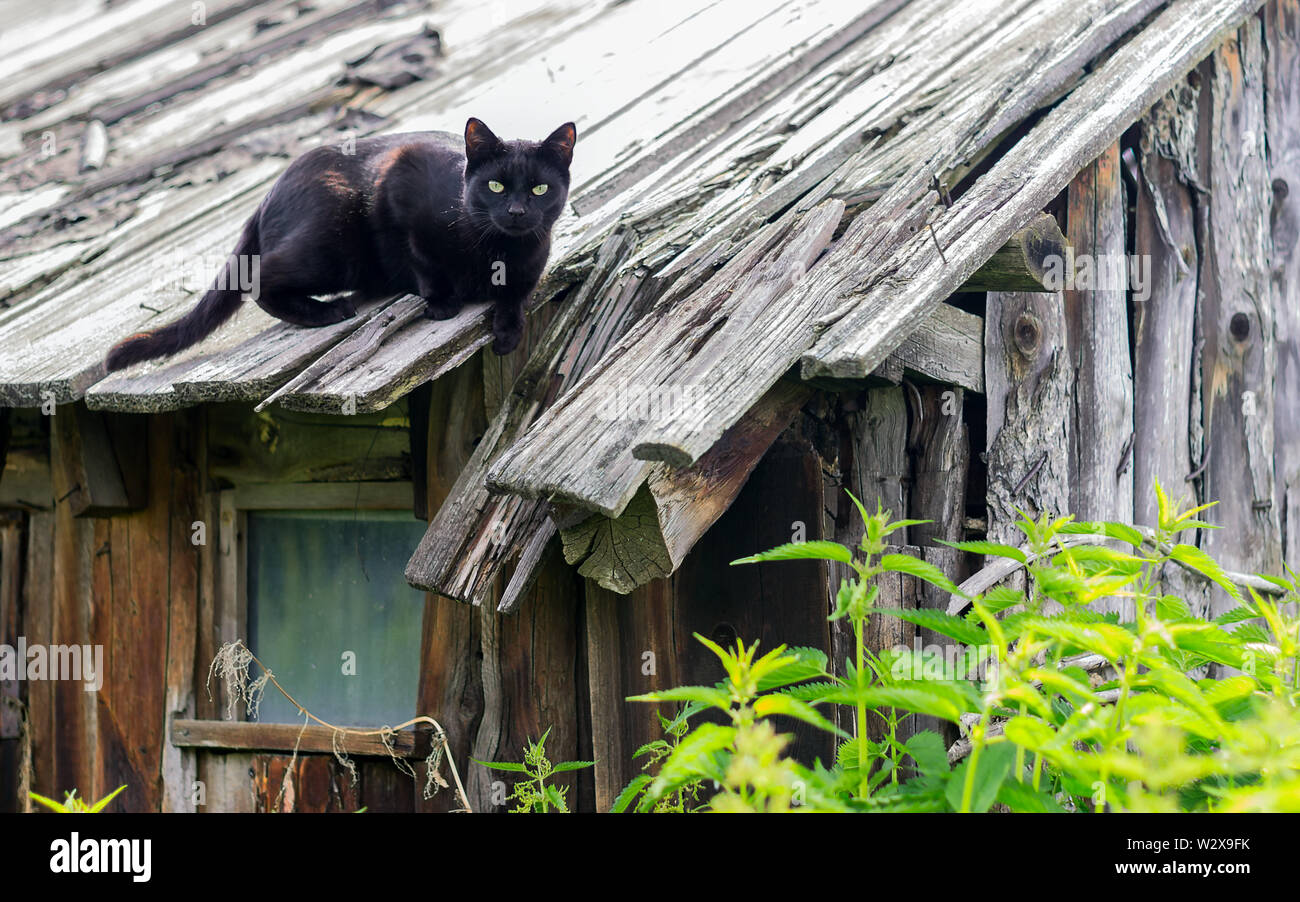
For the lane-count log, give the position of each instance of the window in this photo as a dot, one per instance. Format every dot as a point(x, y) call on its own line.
point(330, 612)
point(320, 597)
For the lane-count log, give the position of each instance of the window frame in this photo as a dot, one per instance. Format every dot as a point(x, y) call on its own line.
point(230, 607)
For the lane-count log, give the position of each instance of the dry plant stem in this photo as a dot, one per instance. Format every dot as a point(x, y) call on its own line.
point(441, 734)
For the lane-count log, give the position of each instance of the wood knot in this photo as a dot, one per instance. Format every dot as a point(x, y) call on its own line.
point(1027, 333)
point(1239, 326)
point(724, 634)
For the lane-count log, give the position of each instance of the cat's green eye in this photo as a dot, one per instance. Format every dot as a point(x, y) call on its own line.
point(496, 187)
point(539, 190)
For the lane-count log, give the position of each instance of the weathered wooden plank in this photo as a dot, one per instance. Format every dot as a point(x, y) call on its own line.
point(178, 769)
point(451, 682)
point(876, 315)
point(1282, 125)
point(108, 38)
point(1029, 415)
point(12, 694)
point(948, 349)
point(1164, 354)
point(474, 532)
point(1167, 431)
point(631, 649)
point(1025, 262)
point(652, 538)
point(72, 711)
point(326, 496)
point(554, 458)
point(1236, 315)
point(1101, 487)
point(227, 782)
point(282, 447)
point(529, 674)
point(232, 735)
point(129, 619)
point(103, 475)
point(38, 626)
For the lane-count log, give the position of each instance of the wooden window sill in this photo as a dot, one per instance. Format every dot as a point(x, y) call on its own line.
point(245, 736)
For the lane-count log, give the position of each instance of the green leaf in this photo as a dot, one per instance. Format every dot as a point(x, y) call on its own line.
point(630, 792)
point(693, 759)
point(858, 504)
point(565, 766)
point(510, 766)
point(1205, 565)
point(769, 705)
point(710, 696)
point(989, 548)
point(944, 700)
point(815, 550)
point(655, 746)
point(1103, 555)
point(1023, 798)
point(1107, 528)
point(903, 563)
point(903, 524)
point(812, 692)
point(928, 751)
point(991, 770)
point(807, 664)
point(1029, 733)
point(958, 628)
point(557, 799)
point(1238, 614)
point(59, 807)
point(999, 598)
point(103, 803)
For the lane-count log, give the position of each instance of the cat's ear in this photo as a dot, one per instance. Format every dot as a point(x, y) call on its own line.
point(480, 143)
point(560, 142)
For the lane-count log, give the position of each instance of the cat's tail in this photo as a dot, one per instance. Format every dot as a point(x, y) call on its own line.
point(217, 305)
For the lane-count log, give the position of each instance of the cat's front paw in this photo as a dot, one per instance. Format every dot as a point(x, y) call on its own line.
point(507, 329)
point(441, 308)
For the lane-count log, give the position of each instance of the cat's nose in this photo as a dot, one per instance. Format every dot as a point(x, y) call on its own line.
point(515, 209)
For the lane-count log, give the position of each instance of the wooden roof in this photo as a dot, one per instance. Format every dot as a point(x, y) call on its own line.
point(754, 191)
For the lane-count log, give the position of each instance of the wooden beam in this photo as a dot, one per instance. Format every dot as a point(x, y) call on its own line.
point(105, 465)
point(1025, 262)
point(323, 496)
point(245, 736)
point(675, 508)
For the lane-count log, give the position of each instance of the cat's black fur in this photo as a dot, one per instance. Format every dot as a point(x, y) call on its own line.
point(403, 213)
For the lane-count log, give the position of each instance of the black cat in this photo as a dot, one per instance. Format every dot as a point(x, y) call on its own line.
point(403, 213)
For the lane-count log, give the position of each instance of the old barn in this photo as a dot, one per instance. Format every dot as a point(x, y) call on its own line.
point(962, 257)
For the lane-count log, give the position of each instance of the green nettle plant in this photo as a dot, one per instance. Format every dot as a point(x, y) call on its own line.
point(533, 795)
point(73, 805)
point(1060, 706)
point(686, 798)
